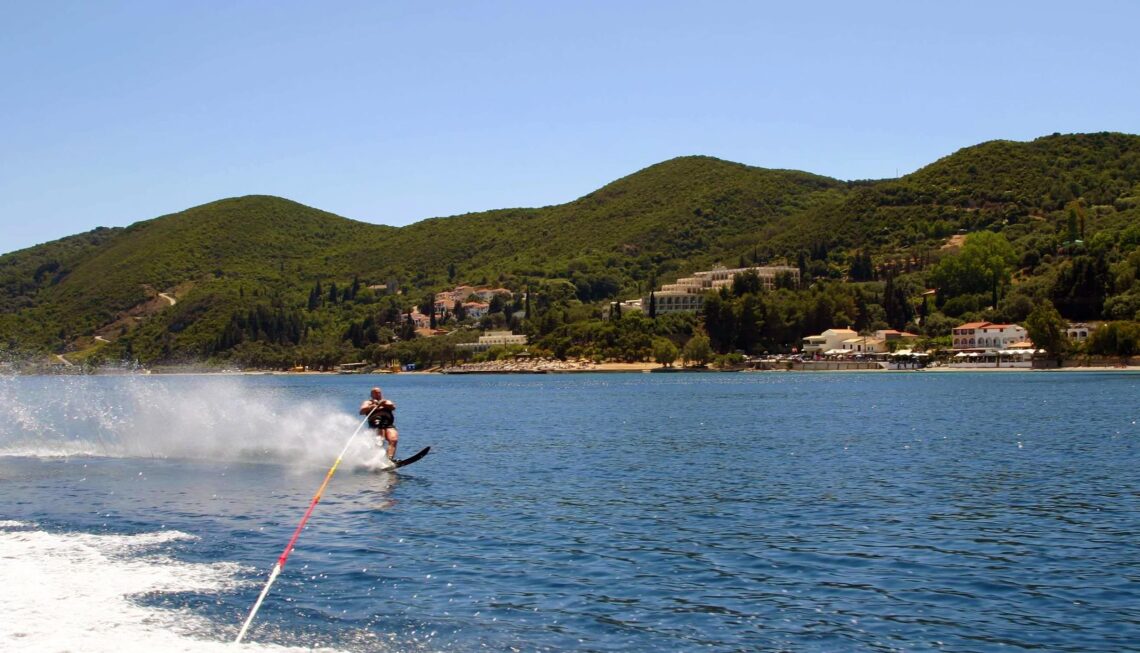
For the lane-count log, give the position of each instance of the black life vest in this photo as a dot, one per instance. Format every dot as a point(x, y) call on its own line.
point(382, 418)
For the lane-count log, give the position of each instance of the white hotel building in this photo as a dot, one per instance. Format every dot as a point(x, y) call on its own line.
point(688, 294)
point(493, 339)
point(987, 335)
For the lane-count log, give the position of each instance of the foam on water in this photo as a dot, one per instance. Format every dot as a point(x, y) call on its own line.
point(75, 593)
point(210, 418)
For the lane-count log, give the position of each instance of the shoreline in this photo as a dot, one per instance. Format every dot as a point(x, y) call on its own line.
point(548, 366)
point(645, 368)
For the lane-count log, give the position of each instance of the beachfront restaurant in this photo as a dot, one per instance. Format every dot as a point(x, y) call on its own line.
point(902, 359)
point(992, 358)
point(907, 359)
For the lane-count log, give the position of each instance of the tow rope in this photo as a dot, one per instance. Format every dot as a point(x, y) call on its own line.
point(297, 533)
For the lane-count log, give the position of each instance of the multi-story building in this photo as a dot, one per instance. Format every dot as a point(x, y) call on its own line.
point(987, 335)
point(493, 339)
point(688, 293)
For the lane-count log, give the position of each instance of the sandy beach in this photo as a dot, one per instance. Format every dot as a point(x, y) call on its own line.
point(545, 365)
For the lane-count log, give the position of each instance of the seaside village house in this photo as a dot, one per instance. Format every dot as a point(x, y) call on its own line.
point(879, 343)
point(828, 341)
point(688, 294)
point(836, 342)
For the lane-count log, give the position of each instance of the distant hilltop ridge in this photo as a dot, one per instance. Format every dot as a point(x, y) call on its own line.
point(256, 277)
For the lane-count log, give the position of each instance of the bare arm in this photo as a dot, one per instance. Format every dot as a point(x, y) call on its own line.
point(370, 405)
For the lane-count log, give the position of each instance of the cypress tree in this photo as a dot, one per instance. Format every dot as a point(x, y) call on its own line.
point(889, 300)
point(315, 296)
point(408, 328)
point(748, 331)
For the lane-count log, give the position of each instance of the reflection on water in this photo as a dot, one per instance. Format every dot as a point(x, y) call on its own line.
point(379, 495)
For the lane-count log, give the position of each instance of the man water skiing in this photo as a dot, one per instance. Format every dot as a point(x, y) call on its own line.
point(382, 417)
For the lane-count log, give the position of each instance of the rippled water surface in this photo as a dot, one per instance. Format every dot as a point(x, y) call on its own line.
point(620, 512)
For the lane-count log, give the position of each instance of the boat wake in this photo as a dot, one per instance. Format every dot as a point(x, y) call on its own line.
point(79, 592)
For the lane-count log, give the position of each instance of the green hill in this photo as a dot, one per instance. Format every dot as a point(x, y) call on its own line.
point(218, 247)
point(265, 269)
point(680, 214)
point(998, 183)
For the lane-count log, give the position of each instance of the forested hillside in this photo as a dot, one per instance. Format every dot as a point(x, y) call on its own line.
point(998, 229)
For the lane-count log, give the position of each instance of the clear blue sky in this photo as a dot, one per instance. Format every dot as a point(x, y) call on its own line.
point(386, 112)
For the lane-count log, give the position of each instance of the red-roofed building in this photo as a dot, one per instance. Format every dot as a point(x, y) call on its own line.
point(475, 310)
point(987, 335)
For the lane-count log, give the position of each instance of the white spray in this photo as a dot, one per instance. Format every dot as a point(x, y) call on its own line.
point(201, 417)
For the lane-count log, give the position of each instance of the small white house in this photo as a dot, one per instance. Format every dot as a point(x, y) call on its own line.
point(827, 341)
point(865, 345)
point(1079, 332)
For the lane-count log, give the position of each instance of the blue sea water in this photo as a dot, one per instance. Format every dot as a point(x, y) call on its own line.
point(588, 512)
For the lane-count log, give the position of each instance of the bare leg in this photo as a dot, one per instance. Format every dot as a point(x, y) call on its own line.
point(393, 438)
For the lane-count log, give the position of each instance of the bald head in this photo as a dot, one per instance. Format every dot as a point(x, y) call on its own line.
point(376, 394)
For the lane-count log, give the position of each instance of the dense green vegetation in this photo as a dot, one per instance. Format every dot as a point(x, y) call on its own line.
point(998, 229)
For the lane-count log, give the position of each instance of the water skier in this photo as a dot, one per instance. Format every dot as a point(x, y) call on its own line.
point(382, 417)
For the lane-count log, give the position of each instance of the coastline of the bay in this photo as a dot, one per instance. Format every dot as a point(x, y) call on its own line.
point(580, 367)
point(643, 368)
